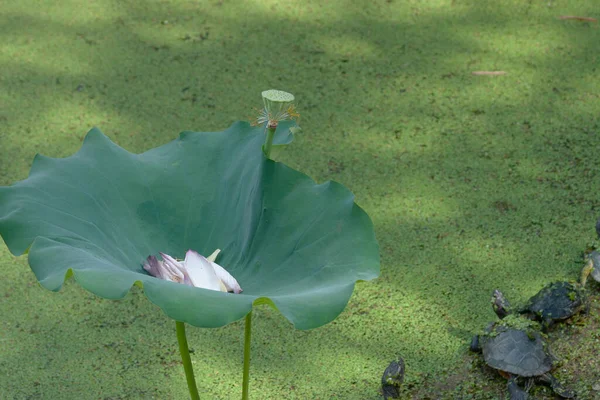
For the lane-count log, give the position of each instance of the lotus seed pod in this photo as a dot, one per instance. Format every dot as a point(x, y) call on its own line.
point(279, 106)
point(277, 101)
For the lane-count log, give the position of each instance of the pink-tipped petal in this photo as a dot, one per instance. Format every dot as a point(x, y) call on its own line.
point(154, 267)
point(230, 283)
point(201, 272)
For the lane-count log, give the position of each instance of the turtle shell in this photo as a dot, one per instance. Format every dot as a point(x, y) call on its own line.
point(394, 373)
point(392, 379)
point(556, 301)
point(595, 257)
point(516, 352)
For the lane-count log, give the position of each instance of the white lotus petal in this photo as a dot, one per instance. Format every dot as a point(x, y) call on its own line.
point(214, 255)
point(201, 272)
point(173, 262)
point(230, 283)
point(174, 271)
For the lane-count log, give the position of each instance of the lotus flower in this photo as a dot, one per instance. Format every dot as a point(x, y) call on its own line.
point(195, 270)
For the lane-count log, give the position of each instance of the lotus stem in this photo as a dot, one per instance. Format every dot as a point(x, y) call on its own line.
point(187, 361)
point(269, 141)
point(247, 334)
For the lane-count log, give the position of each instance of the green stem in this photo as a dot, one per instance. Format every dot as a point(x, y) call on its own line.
point(269, 141)
point(247, 334)
point(187, 361)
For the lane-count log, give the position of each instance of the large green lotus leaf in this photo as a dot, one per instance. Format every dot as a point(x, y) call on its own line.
point(291, 243)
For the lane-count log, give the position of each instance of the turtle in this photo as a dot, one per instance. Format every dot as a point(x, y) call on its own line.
point(392, 379)
point(593, 259)
point(556, 301)
point(515, 347)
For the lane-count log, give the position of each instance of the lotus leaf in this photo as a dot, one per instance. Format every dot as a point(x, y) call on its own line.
point(98, 214)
